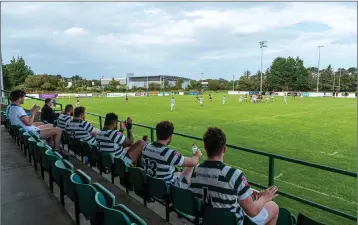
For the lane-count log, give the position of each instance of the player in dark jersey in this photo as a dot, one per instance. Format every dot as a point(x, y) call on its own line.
point(211, 98)
point(126, 98)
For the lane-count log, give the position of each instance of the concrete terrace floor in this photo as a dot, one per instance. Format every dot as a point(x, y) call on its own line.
point(27, 199)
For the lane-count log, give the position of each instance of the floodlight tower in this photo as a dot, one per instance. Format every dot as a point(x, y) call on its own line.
point(262, 46)
point(319, 59)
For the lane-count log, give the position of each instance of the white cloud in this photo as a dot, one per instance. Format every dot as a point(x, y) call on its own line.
point(75, 31)
point(180, 37)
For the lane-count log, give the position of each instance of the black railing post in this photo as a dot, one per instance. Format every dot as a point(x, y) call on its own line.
point(271, 171)
point(100, 122)
point(152, 134)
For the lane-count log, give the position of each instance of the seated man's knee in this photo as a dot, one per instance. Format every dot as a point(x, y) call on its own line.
point(272, 209)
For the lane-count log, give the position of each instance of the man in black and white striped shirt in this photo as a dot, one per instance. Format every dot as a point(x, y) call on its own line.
point(221, 186)
point(79, 128)
point(159, 160)
point(109, 139)
point(65, 116)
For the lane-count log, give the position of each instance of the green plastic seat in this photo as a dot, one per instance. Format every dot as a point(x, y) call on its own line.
point(304, 220)
point(285, 217)
point(138, 178)
point(108, 196)
point(186, 205)
point(160, 191)
point(51, 158)
point(215, 216)
point(63, 171)
point(110, 216)
point(107, 165)
point(84, 198)
point(31, 151)
point(131, 215)
point(26, 142)
point(121, 169)
point(65, 139)
point(75, 145)
point(87, 151)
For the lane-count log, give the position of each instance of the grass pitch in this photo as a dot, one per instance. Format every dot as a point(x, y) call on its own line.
point(317, 130)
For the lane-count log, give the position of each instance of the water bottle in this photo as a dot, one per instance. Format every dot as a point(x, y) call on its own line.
point(85, 159)
point(194, 149)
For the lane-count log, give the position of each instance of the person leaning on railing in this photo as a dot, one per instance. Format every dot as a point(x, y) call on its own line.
point(110, 140)
point(221, 186)
point(18, 116)
point(79, 128)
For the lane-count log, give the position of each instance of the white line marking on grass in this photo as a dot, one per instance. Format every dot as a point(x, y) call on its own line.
point(334, 153)
point(289, 183)
point(280, 175)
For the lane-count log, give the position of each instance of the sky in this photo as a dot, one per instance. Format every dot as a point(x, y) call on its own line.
point(198, 40)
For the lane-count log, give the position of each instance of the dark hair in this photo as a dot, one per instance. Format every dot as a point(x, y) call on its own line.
point(79, 111)
point(68, 108)
point(48, 100)
point(214, 141)
point(16, 94)
point(164, 130)
point(110, 117)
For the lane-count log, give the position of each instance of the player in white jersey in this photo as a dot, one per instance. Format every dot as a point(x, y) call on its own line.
point(285, 99)
point(224, 99)
point(201, 101)
point(240, 99)
point(172, 104)
point(272, 97)
point(224, 187)
point(254, 99)
point(301, 96)
point(267, 95)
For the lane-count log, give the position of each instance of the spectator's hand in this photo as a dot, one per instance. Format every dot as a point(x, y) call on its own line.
point(35, 109)
point(269, 194)
point(198, 153)
point(122, 126)
point(129, 123)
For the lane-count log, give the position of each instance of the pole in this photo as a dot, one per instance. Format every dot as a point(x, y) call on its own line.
point(233, 82)
point(319, 58)
point(339, 81)
point(262, 46)
point(334, 79)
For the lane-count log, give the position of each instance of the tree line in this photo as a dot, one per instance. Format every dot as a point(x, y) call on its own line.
point(284, 74)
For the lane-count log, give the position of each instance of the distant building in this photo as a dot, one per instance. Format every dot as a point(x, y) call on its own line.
point(143, 80)
point(105, 81)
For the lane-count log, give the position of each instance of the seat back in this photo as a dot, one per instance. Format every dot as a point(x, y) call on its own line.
point(52, 157)
point(66, 170)
point(284, 217)
point(87, 150)
point(108, 196)
point(75, 144)
point(158, 189)
point(32, 145)
point(304, 220)
point(37, 152)
point(215, 216)
point(85, 196)
point(96, 158)
point(110, 216)
point(131, 215)
point(43, 148)
point(138, 178)
point(184, 202)
point(120, 167)
point(106, 161)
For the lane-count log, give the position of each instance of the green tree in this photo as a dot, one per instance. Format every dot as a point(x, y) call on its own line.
point(17, 71)
point(154, 86)
point(179, 84)
point(326, 79)
point(112, 85)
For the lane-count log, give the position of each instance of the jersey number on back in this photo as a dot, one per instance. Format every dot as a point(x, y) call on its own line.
point(150, 167)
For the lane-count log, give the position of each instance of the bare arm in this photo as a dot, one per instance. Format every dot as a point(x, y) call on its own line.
point(253, 208)
point(192, 161)
point(28, 120)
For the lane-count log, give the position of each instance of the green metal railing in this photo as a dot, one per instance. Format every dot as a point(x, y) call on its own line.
point(272, 158)
point(39, 99)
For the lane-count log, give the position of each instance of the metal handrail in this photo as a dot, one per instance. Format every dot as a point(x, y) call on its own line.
point(40, 99)
point(272, 158)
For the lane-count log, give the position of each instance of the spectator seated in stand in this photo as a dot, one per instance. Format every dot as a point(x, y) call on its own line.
point(79, 128)
point(221, 186)
point(18, 116)
point(65, 116)
point(47, 112)
point(111, 140)
point(159, 160)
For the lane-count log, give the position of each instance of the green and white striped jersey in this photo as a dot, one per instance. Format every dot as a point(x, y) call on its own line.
point(80, 129)
point(159, 161)
point(220, 186)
